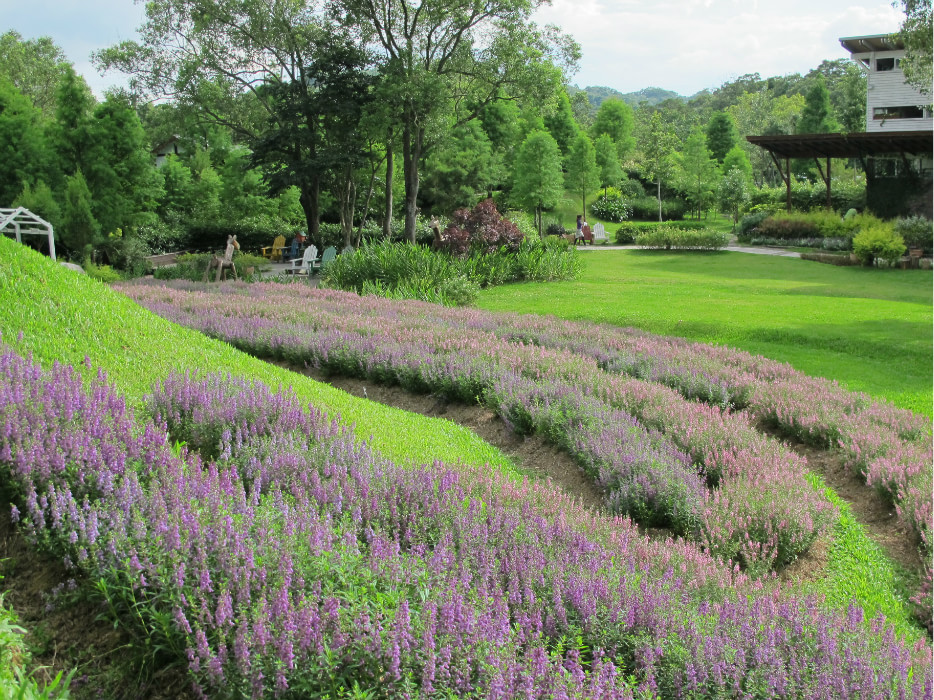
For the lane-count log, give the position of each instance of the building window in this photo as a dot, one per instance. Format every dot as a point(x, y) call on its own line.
point(909, 112)
point(883, 64)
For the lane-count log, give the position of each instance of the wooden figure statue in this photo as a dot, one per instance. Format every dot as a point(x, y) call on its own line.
point(225, 263)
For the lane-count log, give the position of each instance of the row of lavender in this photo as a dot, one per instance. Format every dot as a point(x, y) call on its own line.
point(890, 447)
point(296, 561)
point(711, 476)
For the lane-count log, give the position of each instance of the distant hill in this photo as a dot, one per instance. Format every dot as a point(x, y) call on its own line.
point(653, 95)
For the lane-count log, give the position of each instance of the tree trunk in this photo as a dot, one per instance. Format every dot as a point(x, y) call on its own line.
point(387, 218)
point(348, 198)
point(366, 207)
point(309, 199)
point(659, 199)
point(412, 136)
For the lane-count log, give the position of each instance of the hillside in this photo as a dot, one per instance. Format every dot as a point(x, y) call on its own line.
point(651, 95)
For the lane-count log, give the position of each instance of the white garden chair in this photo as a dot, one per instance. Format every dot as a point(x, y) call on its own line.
point(305, 264)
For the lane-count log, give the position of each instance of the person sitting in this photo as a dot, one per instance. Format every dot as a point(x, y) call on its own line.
point(297, 244)
point(579, 236)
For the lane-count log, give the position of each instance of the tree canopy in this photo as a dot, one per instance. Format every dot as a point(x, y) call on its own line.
point(917, 32)
point(538, 181)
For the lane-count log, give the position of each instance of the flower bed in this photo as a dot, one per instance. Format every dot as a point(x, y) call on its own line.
point(467, 355)
point(299, 562)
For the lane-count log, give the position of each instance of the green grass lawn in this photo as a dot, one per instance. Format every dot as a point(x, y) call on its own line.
point(869, 329)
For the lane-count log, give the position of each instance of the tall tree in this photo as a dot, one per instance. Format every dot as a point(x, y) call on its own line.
point(538, 182)
point(23, 149)
point(35, 67)
point(584, 112)
point(607, 161)
point(721, 135)
point(118, 167)
point(244, 64)
point(697, 172)
point(736, 159)
point(762, 113)
point(817, 116)
point(79, 231)
point(459, 55)
point(846, 84)
point(71, 131)
point(582, 172)
point(615, 118)
point(916, 31)
point(561, 123)
point(733, 194)
point(657, 160)
point(459, 169)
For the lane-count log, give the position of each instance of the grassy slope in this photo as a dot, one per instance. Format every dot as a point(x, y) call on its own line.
point(66, 316)
point(869, 329)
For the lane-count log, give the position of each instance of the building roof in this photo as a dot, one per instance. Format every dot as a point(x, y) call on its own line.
point(872, 42)
point(851, 145)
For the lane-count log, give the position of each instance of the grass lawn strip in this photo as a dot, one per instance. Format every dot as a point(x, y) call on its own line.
point(869, 329)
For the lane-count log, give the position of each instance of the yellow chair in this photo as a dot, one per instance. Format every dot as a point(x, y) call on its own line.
point(274, 252)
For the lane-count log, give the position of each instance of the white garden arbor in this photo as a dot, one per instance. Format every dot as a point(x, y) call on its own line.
point(22, 221)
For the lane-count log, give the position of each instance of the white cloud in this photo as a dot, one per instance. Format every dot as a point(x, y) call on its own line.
point(682, 45)
point(695, 44)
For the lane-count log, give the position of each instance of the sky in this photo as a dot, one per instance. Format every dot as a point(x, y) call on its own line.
point(680, 45)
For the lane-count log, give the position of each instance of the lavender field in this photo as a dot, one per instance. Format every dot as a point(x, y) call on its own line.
point(277, 556)
point(260, 546)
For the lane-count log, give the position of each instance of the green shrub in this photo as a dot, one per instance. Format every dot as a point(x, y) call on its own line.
point(626, 234)
point(631, 189)
point(917, 232)
point(611, 207)
point(252, 233)
point(788, 225)
point(164, 236)
point(555, 229)
point(646, 209)
point(749, 222)
point(402, 270)
point(819, 243)
point(878, 243)
point(104, 273)
point(459, 290)
point(674, 237)
point(807, 196)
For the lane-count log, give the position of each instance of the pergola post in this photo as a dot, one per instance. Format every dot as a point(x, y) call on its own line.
point(826, 179)
point(785, 175)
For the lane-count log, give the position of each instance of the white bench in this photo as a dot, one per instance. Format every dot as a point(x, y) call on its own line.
point(599, 234)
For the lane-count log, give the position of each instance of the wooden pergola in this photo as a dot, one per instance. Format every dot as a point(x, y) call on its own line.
point(22, 221)
point(784, 147)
